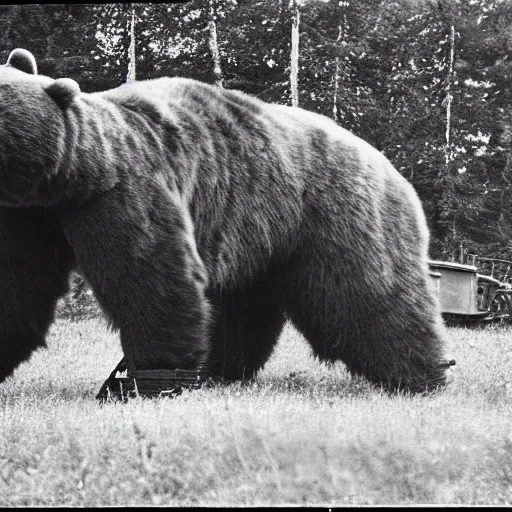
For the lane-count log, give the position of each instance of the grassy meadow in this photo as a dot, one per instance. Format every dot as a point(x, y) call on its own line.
point(301, 434)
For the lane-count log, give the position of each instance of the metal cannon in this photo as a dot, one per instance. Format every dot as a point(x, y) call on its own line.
point(479, 292)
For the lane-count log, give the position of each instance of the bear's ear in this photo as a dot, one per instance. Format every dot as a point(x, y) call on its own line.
point(22, 60)
point(63, 91)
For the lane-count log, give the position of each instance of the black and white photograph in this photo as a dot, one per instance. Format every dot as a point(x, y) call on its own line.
point(256, 253)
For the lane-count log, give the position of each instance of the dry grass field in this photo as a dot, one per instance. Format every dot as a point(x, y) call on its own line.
point(300, 434)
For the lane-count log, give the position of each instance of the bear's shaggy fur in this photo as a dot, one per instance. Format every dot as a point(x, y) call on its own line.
point(203, 219)
point(35, 261)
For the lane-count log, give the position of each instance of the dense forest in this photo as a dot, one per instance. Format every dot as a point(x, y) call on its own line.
point(427, 82)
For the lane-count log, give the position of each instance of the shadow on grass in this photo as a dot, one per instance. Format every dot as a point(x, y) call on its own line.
point(305, 384)
point(297, 384)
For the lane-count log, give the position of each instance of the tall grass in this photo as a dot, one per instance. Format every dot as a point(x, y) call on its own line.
point(301, 433)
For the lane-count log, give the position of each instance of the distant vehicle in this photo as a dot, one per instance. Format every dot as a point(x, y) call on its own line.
point(480, 292)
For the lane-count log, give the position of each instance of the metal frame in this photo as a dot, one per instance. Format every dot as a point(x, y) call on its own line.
point(466, 293)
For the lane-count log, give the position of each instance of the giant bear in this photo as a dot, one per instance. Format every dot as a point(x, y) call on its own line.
point(203, 220)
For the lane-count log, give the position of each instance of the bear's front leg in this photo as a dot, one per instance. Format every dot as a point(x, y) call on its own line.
point(35, 262)
point(135, 246)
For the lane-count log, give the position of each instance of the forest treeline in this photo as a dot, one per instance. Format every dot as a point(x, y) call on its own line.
point(427, 82)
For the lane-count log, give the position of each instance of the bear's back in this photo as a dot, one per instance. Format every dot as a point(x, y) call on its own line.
point(274, 138)
point(184, 97)
point(291, 138)
point(11, 75)
point(235, 114)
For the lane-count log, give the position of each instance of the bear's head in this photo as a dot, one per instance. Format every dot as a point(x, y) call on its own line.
point(32, 130)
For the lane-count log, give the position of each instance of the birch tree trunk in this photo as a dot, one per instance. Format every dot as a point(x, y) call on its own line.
point(294, 56)
point(503, 225)
point(342, 35)
point(130, 77)
point(213, 44)
point(448, 151)
point(336, 77)
point(449, 96)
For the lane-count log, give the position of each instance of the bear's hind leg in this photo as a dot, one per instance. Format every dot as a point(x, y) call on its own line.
point(246, 326)
point(392, 335)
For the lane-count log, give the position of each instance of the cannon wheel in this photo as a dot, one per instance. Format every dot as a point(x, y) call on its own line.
point(501, 305)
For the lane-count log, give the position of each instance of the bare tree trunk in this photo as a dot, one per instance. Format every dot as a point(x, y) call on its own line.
point(448, 155)
point(342, 34)
point(213, 44)
point(130, 77)
point(294, 57)
point(447, 150)
point(449, 96)
point(336, 77)
point(503, 225)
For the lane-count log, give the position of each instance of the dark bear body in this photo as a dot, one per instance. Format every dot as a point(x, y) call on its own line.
point(203, 219)
point(35, 261)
